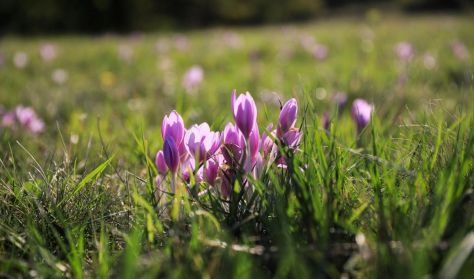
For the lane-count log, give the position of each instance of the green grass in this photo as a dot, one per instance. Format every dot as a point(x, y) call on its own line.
point(79, 199)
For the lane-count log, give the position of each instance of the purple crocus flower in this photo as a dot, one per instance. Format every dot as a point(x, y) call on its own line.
point(171, 154)
point(173, 126)
point(266, 142)
point(8, 119)
point(201, 142)
point(405, 51)
point(59, 76)
point(320, 52)
point(292, 138)
point(20, 60)
point(211, 169)
point(48, 52)
point(27, 118)
point(287, 117)
point(459, 50)
point(161, 163)
point(233, 144)
point(259, 166)
point(361, 113)
point(125, 52)
point(341, 99)
point(187, 167)
point(193, 78)
point(245, 112)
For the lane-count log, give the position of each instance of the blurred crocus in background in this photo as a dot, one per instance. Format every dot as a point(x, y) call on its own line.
point(405, 51)
point(232, 40)
point(181, 42)
point(59, 76)
point(340, 98)
point(48, 52)
point(361, 113)
point(429, 61)
point(125, 52)
point(460, 51)
point(20, 60)
point(193, 78)
point(320, 52)
point(24, 118)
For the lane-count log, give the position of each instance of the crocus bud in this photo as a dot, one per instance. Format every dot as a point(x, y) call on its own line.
point(171, 154)
point(287, 117)
point(173, 126)
point(245, 112)
point(361, 113)
point(161, 163)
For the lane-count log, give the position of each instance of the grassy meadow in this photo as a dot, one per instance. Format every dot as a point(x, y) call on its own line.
point(80, 199)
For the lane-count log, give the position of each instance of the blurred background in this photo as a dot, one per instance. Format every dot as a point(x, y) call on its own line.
point(92, 16)
point(129, 62)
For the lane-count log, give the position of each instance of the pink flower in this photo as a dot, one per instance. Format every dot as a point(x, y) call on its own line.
point(27, 118)
point(460, 51)
point(20, 60)
point(405, 51)
point(341, 99)
point(361, 113)
point(292, 138)
point(211, 169)
point(233, 144)
point(193, 78)
point(245, 112)
point(59, 76)
point(201, 142)
point(161, 163)
point(287, 117)
point(173, 126)
point(8, 119)
point(48, 52)
point(429, 61)
point(320, 52)
point(125, 52)
point(266, 142)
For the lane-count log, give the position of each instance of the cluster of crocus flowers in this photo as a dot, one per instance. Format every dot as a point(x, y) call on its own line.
point(220, 159)
point(21, 117)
